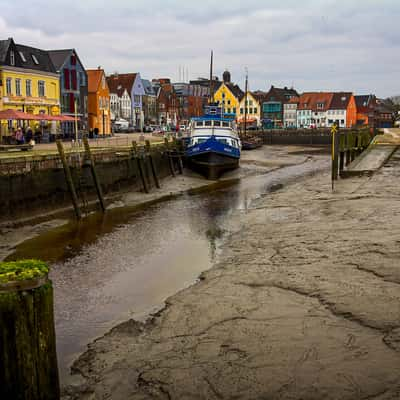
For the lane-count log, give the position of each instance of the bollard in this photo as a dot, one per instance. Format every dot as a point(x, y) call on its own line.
point(27, 336)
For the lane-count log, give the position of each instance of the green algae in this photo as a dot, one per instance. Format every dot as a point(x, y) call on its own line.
point(22, 270)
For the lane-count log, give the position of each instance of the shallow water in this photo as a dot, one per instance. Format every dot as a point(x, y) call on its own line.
point(124, 264)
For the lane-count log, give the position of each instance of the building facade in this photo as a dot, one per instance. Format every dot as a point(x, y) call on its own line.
point(290, 113)
point(29, 81)
point(250, 102)
point(99, 116)
point(366, 109)
point(120, 99)
point(149, 103)
point(228, 95)
point(73, 88)
point(273, 106)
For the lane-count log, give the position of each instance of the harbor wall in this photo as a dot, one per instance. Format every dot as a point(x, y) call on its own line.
point(36, 185)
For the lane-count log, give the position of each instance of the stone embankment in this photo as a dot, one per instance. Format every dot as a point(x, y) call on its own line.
point(304, 303)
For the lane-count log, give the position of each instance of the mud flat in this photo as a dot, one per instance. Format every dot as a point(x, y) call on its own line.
point(303, 303)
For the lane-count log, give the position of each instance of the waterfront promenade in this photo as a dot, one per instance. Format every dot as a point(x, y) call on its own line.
point(303, 303)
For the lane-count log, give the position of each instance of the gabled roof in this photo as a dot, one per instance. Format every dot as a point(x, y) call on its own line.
point(58, 57)
point(4, 45)
point(235, 89)
point(148, 88)
point(310, 100)
point(341, 100)
point(282, 95)
point(94, 79)
point(364, 102)
point(42, 57)
point(119, 82)
point(26, 56)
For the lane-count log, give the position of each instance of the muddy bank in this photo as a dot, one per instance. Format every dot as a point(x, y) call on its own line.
point(302, 303)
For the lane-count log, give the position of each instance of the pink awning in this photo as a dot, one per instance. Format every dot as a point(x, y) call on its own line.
point(16, 115)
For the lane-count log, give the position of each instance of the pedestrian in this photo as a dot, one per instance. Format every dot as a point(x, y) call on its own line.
point(19, 136)
point(29, 134)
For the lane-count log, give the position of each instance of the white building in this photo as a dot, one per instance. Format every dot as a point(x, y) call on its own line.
point(290, 113)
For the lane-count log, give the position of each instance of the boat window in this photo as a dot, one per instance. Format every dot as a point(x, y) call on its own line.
point(223, 140)
point(201, 140)
point(217, 123)
point(225, 123)
point(207, 123)
point(199, 123)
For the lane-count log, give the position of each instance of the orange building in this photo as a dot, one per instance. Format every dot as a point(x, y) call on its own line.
point(366, 106)
point(98, 102)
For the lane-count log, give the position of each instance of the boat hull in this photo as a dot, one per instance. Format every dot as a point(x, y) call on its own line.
point(212, 165)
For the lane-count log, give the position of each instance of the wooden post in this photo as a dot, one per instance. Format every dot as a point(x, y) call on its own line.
point(341, 152)
point(171, 164)
point(68, 178)
point(28, 369)
point(152, 166)
point(335, 152)
point(94, 173)
point(139, 165)
point(180, 164)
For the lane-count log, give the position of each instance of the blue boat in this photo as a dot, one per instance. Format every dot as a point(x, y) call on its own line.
point(214, 145)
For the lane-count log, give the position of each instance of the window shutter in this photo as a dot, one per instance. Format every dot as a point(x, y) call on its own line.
point(73, 79)
point(71, 103)
point(66, 78)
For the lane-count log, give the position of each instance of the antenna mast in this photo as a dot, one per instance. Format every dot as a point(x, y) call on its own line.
point(245, 102)
point(211, 81)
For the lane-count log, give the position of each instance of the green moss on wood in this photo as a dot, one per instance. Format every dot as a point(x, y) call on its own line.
point(22, 270)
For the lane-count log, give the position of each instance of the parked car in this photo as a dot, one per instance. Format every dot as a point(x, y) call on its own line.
point(121, 125)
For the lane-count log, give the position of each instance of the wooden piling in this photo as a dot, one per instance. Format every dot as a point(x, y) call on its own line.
point(335, 153)
point(139, 165)
point(94, 173)
point(28, 355)
point(177, 152)
point(170, 162)
point(152, 166)
point(69, 180)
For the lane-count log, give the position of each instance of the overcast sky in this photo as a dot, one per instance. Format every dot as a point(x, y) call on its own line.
point(310, 44)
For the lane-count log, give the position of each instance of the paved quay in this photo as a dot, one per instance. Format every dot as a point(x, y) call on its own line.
point(303, 303)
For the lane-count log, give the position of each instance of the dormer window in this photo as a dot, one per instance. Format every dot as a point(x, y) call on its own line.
point(305, 104)
point(320, 106)
point(35, 60)
point(12, 58)
point(343, 98)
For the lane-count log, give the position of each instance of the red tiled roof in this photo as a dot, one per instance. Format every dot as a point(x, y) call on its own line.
point(309, 101)
point(117, 83)
point(340, 100)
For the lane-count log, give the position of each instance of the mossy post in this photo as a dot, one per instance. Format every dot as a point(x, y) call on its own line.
point(28, 358)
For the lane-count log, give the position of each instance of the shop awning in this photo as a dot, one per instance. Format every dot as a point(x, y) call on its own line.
point(16, 115)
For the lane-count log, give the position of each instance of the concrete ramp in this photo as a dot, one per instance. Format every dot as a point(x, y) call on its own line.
point(376, 155)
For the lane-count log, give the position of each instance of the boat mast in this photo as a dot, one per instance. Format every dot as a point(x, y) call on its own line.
point(211, 99)
point(245, 103)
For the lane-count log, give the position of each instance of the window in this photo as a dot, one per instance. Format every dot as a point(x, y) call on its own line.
point(18, 87)
point(225, 124)
point(223, 95)
point(229, 102)
point(255, 110)
point(222, 140)
point(320, 106)
point(28, 88)
point(22, 55)
point(199, 123)
point(342, 121)
point(8, 85)
point(35, 60)
point(41, 88)
point(229, 110)
point(12, 58)
point(207, 123)
point(234, 110)
point(251, 102)
point(217, 123)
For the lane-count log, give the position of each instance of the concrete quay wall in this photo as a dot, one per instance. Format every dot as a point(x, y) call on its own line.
point(36, 184)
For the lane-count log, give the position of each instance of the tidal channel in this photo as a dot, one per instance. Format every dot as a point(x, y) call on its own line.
point(124, 264)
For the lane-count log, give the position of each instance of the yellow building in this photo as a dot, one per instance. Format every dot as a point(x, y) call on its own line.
point(227, 95)
point(28, 80)
point(253, 110)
